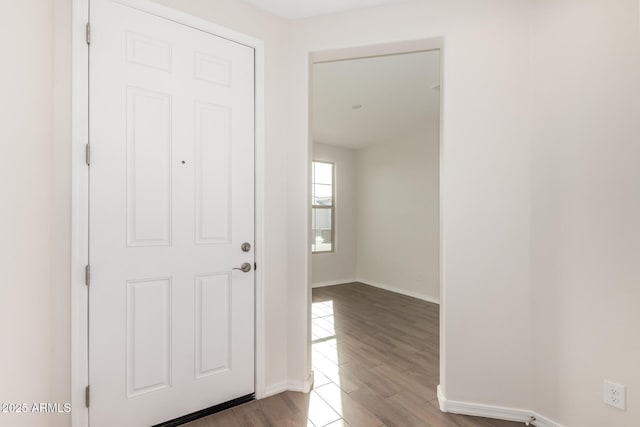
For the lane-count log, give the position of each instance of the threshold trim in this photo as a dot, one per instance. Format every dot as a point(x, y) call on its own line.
point(207, 411)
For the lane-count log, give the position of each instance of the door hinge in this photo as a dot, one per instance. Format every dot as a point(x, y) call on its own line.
point(87, 274)
point(86, 396)
point(87, 154)
point(88, 33)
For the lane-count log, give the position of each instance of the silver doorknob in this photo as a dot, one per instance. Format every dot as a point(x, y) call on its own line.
point(246, 267)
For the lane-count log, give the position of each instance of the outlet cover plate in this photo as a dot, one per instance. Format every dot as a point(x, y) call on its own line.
point(614, 395)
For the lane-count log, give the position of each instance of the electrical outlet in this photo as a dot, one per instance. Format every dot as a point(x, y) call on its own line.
point(614, 395)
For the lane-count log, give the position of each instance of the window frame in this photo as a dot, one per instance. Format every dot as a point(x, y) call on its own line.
point(332, 207)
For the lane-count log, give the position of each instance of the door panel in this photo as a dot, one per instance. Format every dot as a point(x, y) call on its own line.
point(148, 336)
point(148, 168)
point(213, 161)
point(213, 324)
point(171, 202)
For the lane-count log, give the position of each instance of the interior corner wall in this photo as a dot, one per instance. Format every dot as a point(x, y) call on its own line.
point(339, 266)
point(485, 182)
point(585, 236)
point(274, 32)
point(398, 217)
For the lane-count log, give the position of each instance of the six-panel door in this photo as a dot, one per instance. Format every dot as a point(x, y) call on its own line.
point(171, 325)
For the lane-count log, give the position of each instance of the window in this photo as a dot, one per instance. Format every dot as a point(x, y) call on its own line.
point(322, 207)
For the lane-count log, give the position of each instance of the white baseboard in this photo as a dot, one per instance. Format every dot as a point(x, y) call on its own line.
point(282, 386)
point(442, 401)
point(417, 295)
point(308, 383)
point(542, 421)
point(333, 283)
point(276, 388)
point(496, 412)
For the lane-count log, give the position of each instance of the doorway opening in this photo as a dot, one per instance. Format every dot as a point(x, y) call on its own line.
point(375, 262)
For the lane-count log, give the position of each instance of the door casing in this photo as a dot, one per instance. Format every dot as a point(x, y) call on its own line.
point(80, 192)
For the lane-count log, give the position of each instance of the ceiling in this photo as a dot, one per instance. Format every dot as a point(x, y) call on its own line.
point(294, 9)
point(396, 94)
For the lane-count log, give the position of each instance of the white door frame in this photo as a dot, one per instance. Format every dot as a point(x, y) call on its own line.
point(80, 192)
point(368, 51)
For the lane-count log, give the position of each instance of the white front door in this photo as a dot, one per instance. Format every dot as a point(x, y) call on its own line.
point(171, 323)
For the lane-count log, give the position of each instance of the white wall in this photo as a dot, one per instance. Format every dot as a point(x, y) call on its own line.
point(339, 266)
point(485, 187)
point(61, 204)
point(34, 221)
point(585, 236)
point(387, 209)
point(398, 214)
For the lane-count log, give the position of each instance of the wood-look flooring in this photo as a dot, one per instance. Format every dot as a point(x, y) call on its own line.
point(375, 361)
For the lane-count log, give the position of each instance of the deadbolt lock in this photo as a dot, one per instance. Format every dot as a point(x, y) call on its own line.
point(246, 247)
